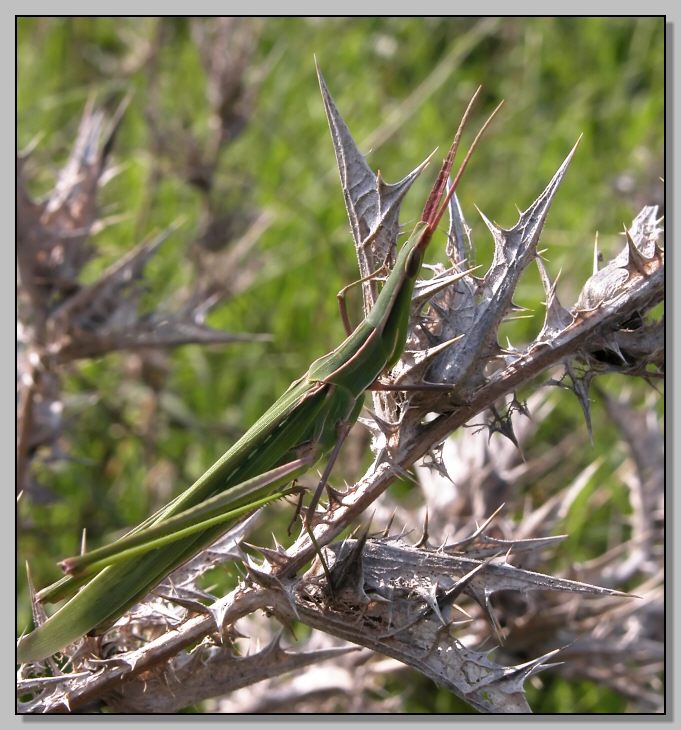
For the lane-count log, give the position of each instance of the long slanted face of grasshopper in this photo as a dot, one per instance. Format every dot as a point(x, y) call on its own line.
point(378, 341)
point(294, 433)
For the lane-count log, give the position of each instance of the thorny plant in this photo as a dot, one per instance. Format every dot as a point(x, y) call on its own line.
point(441, 605)
point(62, 320)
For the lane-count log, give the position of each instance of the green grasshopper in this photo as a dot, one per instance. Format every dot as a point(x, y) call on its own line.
point(309, 421)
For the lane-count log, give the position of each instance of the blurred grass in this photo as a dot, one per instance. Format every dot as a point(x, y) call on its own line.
point(401, 84)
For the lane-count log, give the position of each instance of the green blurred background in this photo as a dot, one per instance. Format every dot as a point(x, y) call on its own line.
point(401, 85)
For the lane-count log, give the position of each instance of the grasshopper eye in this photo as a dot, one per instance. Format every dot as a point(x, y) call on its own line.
point(413, 264)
